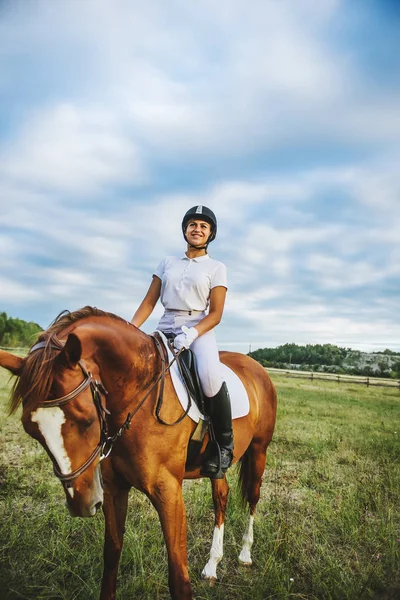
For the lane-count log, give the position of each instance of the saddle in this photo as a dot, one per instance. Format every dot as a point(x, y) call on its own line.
point(187, 365)
point(188, 368)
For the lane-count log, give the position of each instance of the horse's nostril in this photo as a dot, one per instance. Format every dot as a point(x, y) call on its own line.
point(98, 505)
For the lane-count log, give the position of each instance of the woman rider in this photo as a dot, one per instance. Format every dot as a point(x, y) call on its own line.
point(187, 286)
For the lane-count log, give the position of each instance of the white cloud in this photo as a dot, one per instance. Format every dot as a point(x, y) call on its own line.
point(379, 187)
point(311, 322)
point(16, 292)
point(202, 78)
point(9, 252)
point(66, 283)
point(70, 149)
point(130, 91)
point(335, 273)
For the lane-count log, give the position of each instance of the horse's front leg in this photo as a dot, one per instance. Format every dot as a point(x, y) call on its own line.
point(166, 496)
point(114, 507)
point(220, 490)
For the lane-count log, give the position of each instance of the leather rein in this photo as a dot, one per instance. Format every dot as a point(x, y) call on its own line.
point(106, 442)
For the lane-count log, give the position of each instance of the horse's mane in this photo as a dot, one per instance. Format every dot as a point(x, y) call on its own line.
point(35, 380)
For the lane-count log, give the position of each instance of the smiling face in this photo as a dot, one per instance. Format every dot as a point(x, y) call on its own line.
point(197, 232)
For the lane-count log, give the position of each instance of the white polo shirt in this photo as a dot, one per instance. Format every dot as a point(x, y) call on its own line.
point(186, 283)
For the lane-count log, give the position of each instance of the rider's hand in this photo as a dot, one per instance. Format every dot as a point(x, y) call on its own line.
point(183, 340)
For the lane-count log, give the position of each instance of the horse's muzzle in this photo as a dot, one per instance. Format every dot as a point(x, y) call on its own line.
point(84, 511)
point(88, 501)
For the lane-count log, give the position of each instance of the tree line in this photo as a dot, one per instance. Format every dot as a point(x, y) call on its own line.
point(330, 358)
point(312, 357)
point(17, 332)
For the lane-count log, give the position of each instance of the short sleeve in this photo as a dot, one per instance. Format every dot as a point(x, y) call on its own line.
point(159, 272)
point(219, 277)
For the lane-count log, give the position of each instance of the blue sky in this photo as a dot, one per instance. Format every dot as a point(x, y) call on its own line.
point(283, 116)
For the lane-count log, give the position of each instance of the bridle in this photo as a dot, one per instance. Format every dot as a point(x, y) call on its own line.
point(98, 390)
point(106, 442)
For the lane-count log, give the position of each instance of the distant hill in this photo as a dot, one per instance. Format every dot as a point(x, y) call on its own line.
point(330, 358)
point(16, 333)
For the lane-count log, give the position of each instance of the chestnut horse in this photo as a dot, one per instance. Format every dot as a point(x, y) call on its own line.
point(89, 390)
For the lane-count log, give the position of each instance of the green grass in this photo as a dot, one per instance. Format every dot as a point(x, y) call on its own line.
point(327, 526)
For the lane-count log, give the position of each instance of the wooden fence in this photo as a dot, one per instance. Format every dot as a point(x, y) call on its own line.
point(373, 381)
point(9, 349)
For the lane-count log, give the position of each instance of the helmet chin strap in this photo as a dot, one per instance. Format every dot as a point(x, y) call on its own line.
point(197, 247)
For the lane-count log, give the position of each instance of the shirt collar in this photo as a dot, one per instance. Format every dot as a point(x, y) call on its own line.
point(198, 259)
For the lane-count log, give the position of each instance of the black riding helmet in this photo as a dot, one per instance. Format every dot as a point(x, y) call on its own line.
point(203, 214)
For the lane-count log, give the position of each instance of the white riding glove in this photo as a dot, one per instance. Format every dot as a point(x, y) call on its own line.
point(183, 340)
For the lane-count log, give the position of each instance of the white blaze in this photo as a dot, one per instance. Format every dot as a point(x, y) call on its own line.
point(245, 555)
point(216, 554)
point(50, 421)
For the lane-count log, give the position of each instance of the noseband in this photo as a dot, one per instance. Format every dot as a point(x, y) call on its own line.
point(105, 444)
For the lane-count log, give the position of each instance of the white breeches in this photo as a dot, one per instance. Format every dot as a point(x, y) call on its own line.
point(204, 347)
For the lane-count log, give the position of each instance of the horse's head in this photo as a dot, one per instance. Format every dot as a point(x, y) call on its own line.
point(63, 409)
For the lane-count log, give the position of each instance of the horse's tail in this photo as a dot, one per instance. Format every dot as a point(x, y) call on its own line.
point(245, 473)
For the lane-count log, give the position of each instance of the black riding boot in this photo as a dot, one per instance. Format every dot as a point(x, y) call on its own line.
point(219, 456)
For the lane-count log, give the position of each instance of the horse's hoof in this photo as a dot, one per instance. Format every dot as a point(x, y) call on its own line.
point(210, 578)
point(245, 562)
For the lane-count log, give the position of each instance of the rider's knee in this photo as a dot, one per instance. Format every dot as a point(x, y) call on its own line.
point(211, 383)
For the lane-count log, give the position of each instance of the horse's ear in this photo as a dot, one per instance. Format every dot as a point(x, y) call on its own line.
point(71, 354)
point(11, 362)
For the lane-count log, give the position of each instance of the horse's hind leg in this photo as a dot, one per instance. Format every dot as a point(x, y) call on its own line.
point(220, 490)
point(251, 471)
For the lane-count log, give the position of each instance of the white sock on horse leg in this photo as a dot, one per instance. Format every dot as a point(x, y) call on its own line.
point(216, 554)
point(248, 538)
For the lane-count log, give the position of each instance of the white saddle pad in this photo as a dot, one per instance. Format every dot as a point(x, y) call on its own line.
point(237, 392)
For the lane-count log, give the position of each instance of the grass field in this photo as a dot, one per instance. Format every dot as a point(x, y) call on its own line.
point(328, 524)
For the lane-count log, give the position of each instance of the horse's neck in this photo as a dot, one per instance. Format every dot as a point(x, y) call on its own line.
point(127, 353)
